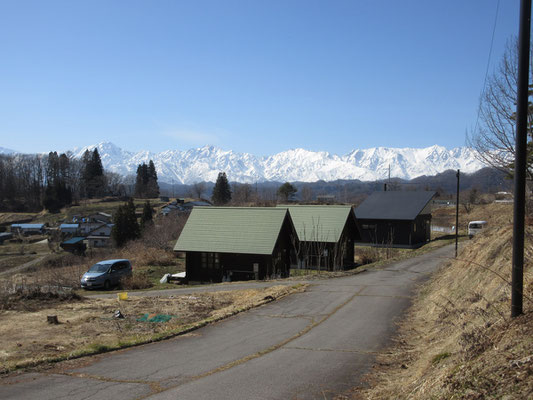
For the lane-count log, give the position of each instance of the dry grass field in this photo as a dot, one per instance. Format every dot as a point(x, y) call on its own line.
point(87, 326)
point(458, 341)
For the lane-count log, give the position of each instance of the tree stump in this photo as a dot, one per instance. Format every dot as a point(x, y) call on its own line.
point(52, 319)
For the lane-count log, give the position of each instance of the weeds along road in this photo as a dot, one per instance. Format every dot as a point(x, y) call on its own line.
point(311, 345)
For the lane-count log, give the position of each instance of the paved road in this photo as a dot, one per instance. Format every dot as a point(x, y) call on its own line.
point(307, 346)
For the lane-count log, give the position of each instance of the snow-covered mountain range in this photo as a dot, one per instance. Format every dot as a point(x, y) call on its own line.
point(204, 164)
point(3, 150)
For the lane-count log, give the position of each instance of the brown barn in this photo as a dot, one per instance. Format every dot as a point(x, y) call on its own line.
point(236, 243)
point(396, 219)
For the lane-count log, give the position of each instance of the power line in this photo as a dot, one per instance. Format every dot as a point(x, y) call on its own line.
point(488, 63)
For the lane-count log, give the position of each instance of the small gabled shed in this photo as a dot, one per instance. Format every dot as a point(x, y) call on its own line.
point(396, 219)
point(326, 236)
point(236, 243)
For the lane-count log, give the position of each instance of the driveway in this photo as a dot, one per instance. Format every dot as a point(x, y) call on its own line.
point(311, 345)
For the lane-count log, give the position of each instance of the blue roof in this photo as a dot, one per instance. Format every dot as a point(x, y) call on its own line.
point(74, 240)
point(64, 226)
point(28, 226)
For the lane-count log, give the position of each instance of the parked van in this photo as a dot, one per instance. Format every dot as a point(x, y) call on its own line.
point(474, 227)
point(105, 274)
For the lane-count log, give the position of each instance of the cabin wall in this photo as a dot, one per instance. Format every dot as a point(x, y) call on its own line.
point(216, 267)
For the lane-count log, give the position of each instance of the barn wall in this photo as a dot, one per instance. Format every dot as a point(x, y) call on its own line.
point(396, 232)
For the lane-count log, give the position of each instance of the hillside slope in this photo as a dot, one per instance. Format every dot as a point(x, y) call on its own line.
point(458, 341)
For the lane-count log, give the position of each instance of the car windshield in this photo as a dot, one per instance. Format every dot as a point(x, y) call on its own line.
point(99, 268)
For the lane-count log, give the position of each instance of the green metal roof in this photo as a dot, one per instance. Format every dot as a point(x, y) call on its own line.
point(245, 230)
point(319, 223)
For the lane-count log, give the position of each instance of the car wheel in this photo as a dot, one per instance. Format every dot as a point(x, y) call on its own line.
point(107, 285)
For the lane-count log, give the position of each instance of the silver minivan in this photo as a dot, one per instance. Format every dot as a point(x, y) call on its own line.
point(105, 274)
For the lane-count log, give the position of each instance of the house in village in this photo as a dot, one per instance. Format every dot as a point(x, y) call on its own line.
point(236, 243)
point(5, 236)
point(69, 229)
point(396, 219)
point(28, 229)
point(93, 231)
point(100, 236)
point(326, 236)
point(181, 206)
point(75, 245)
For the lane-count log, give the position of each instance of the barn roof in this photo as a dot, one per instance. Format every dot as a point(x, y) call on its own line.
point(244, 230)
point(74, 240)
point(319, 223)
point(27, 226)
point(69, 226)
point(393, 205)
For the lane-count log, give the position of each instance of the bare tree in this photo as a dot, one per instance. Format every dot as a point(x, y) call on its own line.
point(306, 194)
point(115, 183)
point(198, 189)
point(494, 137)
point(242, 193)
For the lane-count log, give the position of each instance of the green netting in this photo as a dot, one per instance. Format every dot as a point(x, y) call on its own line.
point(155, 318)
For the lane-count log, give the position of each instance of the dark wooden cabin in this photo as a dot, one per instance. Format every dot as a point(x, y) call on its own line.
point(326, 236)
point(395, 219)
point(236, 243)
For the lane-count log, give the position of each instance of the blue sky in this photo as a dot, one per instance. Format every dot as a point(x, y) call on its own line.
point(250, 76)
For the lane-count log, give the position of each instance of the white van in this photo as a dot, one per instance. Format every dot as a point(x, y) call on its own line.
point(474, 227)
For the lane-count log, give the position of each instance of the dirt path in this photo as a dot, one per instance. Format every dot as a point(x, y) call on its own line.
point(22, 267)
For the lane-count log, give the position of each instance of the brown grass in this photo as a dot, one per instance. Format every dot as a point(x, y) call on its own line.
point(459, 341)
point(87, 325)
point(136, 282)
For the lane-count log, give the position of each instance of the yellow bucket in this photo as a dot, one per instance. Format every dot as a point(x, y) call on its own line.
point(122, 296)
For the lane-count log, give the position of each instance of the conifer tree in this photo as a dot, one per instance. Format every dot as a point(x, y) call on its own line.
point(287, 191)
point(146, 185)
point(93, 174)
point(57, 193)
point(125, 226)
point(222, 190)
point(147, 215)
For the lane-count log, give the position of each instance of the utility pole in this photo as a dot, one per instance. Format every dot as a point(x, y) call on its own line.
point(517, 282)
point(457, 214)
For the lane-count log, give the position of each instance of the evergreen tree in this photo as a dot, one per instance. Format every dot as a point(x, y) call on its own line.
point(146, 185)
point(57, 193)
point(287, 191)
point(125, 226)
point(93, 174)
point(147, 215)
point(222, 190)
point(153, 186)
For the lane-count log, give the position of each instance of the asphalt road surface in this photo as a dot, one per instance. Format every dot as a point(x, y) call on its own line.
point(311, 345)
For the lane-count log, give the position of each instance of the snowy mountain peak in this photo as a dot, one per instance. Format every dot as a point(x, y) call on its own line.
point(204, 163)
point(3, 150)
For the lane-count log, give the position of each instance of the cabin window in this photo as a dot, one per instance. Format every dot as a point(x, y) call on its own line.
point(365, 226)
point(210, 260)
point(414, 227)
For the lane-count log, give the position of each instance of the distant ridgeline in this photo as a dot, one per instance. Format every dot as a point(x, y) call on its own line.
point(486, 180)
